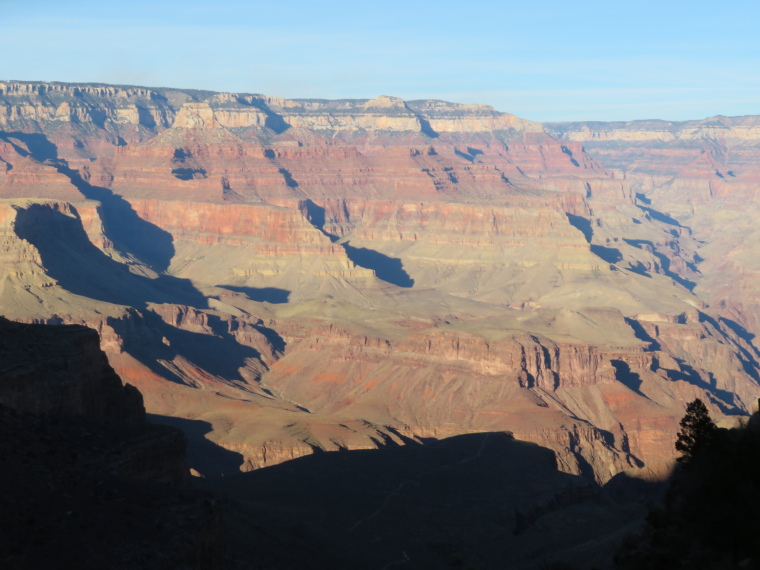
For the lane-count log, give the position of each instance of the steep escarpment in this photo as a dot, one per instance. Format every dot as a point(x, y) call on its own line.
point(85, 478)
point(285, 276)
point(62, 371)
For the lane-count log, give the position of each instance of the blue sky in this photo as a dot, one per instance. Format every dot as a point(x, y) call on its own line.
point(543, 60)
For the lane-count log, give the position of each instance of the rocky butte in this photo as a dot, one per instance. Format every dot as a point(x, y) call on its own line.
point(305, 275)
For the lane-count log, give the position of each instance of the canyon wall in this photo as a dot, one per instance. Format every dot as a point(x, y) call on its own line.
point(303, 275)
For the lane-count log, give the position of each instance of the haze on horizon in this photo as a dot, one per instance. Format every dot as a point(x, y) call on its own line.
point(553, 61)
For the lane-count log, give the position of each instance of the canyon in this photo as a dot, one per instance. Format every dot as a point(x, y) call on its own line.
point(88, 482)
point(310, 275)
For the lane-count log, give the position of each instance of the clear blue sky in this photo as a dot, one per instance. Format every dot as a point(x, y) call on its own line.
point(543, 60)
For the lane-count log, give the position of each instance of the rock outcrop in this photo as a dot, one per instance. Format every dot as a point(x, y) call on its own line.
point(62, 371)
point(85, 478)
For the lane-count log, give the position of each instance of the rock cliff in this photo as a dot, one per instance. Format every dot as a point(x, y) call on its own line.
point(85, 478)
point(301, 275)
point(62, 371)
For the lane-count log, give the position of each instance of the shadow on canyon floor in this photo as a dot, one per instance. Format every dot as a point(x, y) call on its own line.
point(273, 295)
point(204, 456)
point(726, 401)
point(40, 148)
point(641, 334)
point(627, 377)
point(385, 267)
point(649, 246)
point(742, 333)
point(389, 269)
point(748, 350)
point(660, 216)
point(581, 224)
point(609, 254)
point(473, 501)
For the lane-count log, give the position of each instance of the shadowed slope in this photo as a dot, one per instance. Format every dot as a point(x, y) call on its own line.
point(204, 456)
point(87, 483)
point(71, 259)
point(481, 500)
point(130, 233)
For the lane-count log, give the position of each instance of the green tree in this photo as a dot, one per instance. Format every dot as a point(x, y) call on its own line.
point(697, 430)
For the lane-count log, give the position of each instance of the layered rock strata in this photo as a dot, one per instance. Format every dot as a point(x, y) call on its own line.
point(302, 275)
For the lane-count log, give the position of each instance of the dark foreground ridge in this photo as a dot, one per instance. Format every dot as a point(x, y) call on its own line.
point(86, 482)
point(479, 501)
point(711, 514)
